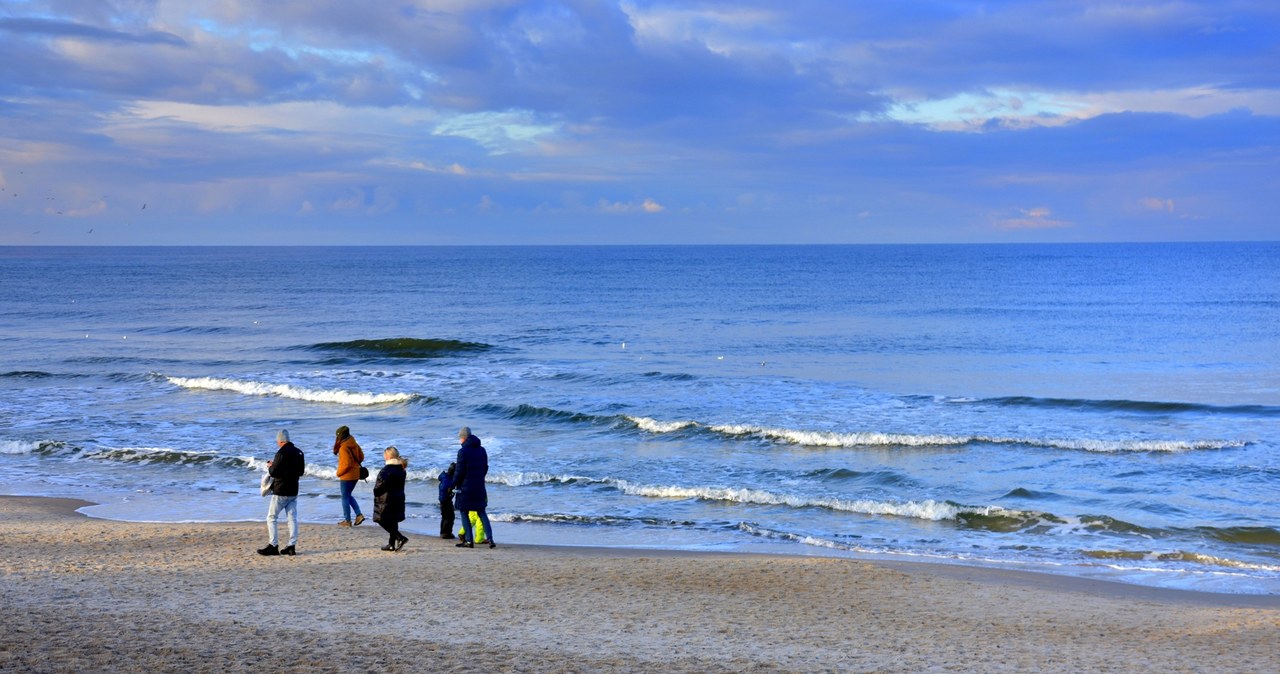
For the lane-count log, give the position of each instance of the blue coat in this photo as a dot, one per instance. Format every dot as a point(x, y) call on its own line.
point(472, 466)
point(446, 486)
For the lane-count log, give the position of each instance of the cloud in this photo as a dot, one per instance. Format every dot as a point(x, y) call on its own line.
point(648, 205)
point(931, 116)
point(56, 28)
point(1033, 218)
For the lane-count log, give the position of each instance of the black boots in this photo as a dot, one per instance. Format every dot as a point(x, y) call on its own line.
point(273, 551)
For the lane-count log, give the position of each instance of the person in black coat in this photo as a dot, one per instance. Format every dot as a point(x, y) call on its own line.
point(471, 467)
point(285, 468)
point(388, 498)
point(446, 501)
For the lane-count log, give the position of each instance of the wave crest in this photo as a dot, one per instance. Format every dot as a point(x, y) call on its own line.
point(26, 374)
point(254, 388)
point(1179, 556)
point(1154, 407)
point(811, 438)
point(402, 347)
point(29, 446)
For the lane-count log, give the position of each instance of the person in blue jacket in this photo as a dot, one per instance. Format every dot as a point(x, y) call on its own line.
point(446, 501)
point(471, 467)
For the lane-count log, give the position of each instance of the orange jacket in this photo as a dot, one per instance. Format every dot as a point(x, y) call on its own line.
point(350, 456)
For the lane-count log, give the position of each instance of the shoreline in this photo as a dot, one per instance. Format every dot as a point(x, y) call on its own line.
point(101, 595)
point(958, 570)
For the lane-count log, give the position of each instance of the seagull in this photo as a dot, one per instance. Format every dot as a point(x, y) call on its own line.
point(90, 231)
point(144, 207)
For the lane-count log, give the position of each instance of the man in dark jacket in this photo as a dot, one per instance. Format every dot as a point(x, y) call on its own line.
point(471, 467)
point(285, 469)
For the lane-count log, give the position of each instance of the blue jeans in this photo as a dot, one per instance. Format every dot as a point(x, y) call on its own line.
point(349, 501)
point(289, 504)
point(466, 525)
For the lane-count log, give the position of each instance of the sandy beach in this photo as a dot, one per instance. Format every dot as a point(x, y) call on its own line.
point(87, 595)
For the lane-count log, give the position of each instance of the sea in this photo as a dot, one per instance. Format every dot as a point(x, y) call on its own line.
point(1097, 410)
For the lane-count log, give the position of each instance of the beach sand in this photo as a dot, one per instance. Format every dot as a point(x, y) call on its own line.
point(84, 595)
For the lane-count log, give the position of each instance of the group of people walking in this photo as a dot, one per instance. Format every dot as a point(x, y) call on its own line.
point(462, 489)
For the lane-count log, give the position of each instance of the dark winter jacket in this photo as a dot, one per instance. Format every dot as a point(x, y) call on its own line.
point(287, 466)
point(472, 466)
point(446, 486)
point(388, 494)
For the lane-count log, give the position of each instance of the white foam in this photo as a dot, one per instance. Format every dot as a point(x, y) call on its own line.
point(813, 438)
point(831, 439)
point(20, 446)
point(522, 479)
point(1112, 446)
point(287, 391)
point(928, 509)
point(654, 426)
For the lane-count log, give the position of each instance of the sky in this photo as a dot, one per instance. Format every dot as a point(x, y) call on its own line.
point(460, 122)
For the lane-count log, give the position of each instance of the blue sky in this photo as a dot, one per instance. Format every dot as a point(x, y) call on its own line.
point(637, 122)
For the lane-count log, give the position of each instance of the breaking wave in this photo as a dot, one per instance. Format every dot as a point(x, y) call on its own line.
point(169, 456)
point(833, 439)
point(928, 509)
point(873, 439)
point(254, 388)
point(1180, 556)
point(30, 446)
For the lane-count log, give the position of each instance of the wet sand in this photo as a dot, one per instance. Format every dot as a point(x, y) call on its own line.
point(84, 595)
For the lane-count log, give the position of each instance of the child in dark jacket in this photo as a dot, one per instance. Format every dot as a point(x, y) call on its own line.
point(446, 502)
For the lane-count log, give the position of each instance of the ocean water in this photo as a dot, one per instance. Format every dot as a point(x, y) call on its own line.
point(1098, 410)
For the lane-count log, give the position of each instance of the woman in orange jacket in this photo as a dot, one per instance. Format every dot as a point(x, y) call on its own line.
point(350, 456)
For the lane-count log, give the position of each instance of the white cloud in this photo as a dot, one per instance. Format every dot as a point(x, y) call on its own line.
point(1023, 109)
point(326, 117)
point(499, 132)
point(1032, 218)
point(616, 207)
